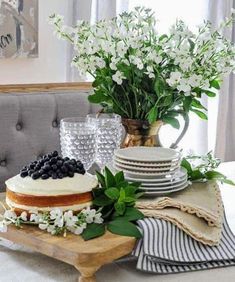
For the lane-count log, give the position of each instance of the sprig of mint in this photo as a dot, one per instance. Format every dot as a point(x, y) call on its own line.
point(202, 168)
point(116, 199)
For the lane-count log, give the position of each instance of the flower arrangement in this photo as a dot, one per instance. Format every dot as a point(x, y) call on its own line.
point(141, 74)
point(113, 210)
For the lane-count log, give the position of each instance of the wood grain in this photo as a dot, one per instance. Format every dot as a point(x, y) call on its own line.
point(45, 87)
point(86, 256)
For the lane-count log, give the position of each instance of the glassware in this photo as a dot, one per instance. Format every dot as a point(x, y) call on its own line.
point(108, 136)
point(77, 139)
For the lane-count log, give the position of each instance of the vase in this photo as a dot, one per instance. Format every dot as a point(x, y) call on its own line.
point(143, 133)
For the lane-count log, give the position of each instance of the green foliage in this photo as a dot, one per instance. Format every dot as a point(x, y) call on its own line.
point(93, 230)
point(116, 197)
point(202, 168)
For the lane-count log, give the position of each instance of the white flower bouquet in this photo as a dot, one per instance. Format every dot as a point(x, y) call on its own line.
point(141, 74)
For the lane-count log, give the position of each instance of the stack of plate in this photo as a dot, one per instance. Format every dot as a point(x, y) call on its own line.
point(158, 169)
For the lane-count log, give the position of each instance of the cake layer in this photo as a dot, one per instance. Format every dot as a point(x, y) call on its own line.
point(46, 201)
point(52, 187)
point(16, 206)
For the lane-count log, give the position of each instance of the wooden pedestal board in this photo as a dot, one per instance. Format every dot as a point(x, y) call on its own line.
point(86, 256)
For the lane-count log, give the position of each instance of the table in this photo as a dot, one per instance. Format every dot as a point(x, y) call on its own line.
point(19, 264)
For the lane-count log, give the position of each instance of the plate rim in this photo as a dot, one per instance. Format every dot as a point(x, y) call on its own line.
point(166, 188)
point(116, 153)
point(168, 192)
point(163, 184)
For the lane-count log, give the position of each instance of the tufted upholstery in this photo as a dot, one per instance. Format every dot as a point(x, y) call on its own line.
point(29, 125)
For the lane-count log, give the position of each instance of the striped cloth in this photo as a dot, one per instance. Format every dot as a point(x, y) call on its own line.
point(165, 248)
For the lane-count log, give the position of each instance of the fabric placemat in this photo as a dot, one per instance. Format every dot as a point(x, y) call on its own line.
point(167, 249)
point(201, 199)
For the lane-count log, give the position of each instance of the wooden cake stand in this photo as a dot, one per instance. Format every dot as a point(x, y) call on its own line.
point(86, 256)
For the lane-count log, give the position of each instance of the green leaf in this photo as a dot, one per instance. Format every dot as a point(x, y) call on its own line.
point(196, 175)
point(102, 201)
point(200, 114)
point(119, 177)
point(196, 104)
point(228, 181)
point(112, 193)
point(120, 207)
point(133, 214)
point(187, 103)
point(130, 191)
point(122, 194)
point(97, 98)
point(109, 178)
point(158, 87)
point(152, 114)
point(124, 228)
point(129, 200)
point(209, 93)
point(215, 83)
point(186, 164)
point(101, 179)
point(167, 101)
point(213, 174)
point(98, 192)
point(93, 230)
point(172, 121)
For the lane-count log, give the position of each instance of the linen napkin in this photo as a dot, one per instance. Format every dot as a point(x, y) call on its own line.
point(200, 199)
point(167, 249)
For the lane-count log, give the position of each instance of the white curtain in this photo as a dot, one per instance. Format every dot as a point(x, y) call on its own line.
point(225, 133)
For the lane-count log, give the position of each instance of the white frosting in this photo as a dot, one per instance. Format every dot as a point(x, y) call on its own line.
point(33, 209)
point(52, 187)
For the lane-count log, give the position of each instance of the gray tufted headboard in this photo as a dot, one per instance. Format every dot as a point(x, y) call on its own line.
point(29, 121)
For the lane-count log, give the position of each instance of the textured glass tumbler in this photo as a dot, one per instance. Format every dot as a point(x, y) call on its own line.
point(77, 140)
point(108, 136)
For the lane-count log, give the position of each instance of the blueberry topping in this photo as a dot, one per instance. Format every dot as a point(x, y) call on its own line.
point(45, 176)
point(54, 166)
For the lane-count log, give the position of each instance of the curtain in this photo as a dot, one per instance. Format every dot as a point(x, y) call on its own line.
point(225, 133)
point(91, 11)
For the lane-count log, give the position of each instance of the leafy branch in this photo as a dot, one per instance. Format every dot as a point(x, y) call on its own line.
point(202, 168)
point(115, 199)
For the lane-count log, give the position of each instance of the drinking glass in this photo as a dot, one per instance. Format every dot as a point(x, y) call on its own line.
point(108, 136)
point(77, 140)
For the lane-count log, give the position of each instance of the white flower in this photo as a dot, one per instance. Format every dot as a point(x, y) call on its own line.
point(185, 64)
point(56, 213)
point(51, 229)
point(78, 230)
point(43, 226)
point(69, 218)
point(174, 78)
point(34, 217)
point(98, 218)
point(184, 86)
point(23, 216)
point(3, 226)
point(195, 80)
point(118, 77)
point(150, 72)
point(137, 61)
point(121, 49)
point(8, 214)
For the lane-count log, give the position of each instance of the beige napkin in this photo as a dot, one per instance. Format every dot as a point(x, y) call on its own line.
point(198, 210)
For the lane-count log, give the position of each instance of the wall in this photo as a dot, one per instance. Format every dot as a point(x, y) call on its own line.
point(50, 66)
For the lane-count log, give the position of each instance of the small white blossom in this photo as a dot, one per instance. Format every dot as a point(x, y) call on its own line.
point(118, 77)
point(8, 214)
point(184, 86)
point(56, 213)
point(43, 226)
point(3, 226)
point(174, 78)
point(69, 218)
point(98, 218)
point(23, 216)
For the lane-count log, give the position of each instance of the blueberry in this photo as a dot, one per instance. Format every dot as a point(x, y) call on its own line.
point(35, 175)
point(53, 161)
point(24, 173)
point(50, 172)
point(30, 172)
point(45, 176)
point(71, 174)
point(54, 176)
point(46, 167)
point(37, 167)
point(64, 169)
point(32, 166)
point(59, 163)
point(55, 154)
point(82, 171)
point(60, 175)
point(66, 159)
point(73, 162)
point(71, 168)
point(54, 167)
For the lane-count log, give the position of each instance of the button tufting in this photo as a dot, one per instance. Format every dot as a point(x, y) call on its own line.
point(18, 127)
point(3, 163)
point(55, 123)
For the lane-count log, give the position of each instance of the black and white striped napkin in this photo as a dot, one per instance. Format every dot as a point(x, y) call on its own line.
point(165, 248)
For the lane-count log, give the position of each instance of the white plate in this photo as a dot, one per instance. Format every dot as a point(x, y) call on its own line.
point(147, 154)
point(164, 188)
point(146, 169)
point(148, 164)
point(159, 193)
point(164, 184)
